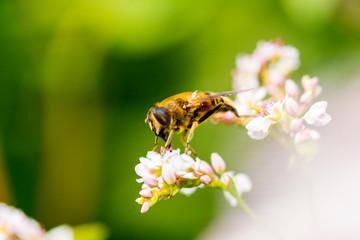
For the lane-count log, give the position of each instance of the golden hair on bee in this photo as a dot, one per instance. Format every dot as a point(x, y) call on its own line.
point(184, 112)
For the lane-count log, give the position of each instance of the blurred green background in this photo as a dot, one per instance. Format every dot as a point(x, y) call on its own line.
point(78, 77)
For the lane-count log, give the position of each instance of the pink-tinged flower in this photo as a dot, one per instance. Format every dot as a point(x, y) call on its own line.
point(276, 78)
point(246, 73)
point(288, 60)
point(242, 184)
point(266, 51)
point(292, 107)
point(296, 125)
point(312, 89)
point(309, 84)
point(151, 165)
point(205, 179)
point(182, 164)
point(145, 207)
point(283, 58)
point(306, 98)
point(146, 193)
point(317, 115)
point(218, 163)
point(258, 128)
point(224, 117)
point(15, 224)
point(248, 103)
point(179, 173)
point(150, 180)
point(306, 135)
point(205, 168)
point(168, 174)
point(292, 89)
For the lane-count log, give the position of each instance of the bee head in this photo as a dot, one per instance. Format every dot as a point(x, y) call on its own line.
point(159, 120)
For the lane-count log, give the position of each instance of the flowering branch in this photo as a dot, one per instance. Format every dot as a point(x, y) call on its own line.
point(276, 101)
point(167, 173)
point(14, 224)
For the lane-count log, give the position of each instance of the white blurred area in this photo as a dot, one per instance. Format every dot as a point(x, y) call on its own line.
point(312, 201)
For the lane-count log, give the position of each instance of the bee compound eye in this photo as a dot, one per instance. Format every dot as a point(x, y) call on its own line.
point(162, 115)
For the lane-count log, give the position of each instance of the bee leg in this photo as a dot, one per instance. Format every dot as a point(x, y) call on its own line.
point(182, 138)
point(190, 136)
point(186, 145)
point(156, 143)
point(168, 140)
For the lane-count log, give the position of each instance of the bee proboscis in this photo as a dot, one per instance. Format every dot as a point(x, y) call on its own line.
point(184, 112)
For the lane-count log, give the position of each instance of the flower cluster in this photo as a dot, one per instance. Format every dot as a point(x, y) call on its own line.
point(169, 172)
point(14, 224)
point(274, 99)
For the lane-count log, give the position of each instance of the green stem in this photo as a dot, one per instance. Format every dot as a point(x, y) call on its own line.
point(247, 209)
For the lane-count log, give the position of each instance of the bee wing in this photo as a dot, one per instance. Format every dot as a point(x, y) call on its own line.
point(217, 95)
point(229, 93)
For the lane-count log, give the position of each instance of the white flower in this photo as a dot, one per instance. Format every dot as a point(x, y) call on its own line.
point(168, 174)
point(62, 232)
point(242, 184)
point(258, 128)
point(188, 191)
point(246, 74)
point(182, 164)
point(266, 50)
point(246, 103)
point(317, 115)
point(151, 165)
point(14, 222)
point(288, 59)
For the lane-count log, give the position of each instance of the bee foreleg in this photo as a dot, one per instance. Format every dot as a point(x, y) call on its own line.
point(168, 140)
point(156, 143)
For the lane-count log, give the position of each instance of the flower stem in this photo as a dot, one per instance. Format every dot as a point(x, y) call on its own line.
point(247, 209)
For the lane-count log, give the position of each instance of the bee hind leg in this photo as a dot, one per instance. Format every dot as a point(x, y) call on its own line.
point(190, 136)
point(186, 145)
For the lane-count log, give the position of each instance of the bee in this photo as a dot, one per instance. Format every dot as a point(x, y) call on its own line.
point(184, 112)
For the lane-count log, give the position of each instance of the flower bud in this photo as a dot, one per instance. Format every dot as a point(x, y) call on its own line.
point(146, 193)
point(205, 179)
point(292, 107)
point(145, 207)
point(306, 135)
point(218, 163)
point(206, 168)
point(291, 88)
point(296, 125)
point(168, 174)
point(309, 84)
point(226, 179)
point(150, 181)
point(306, 98)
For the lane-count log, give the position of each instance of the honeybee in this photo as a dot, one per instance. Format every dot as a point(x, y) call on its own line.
point(184, 112)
